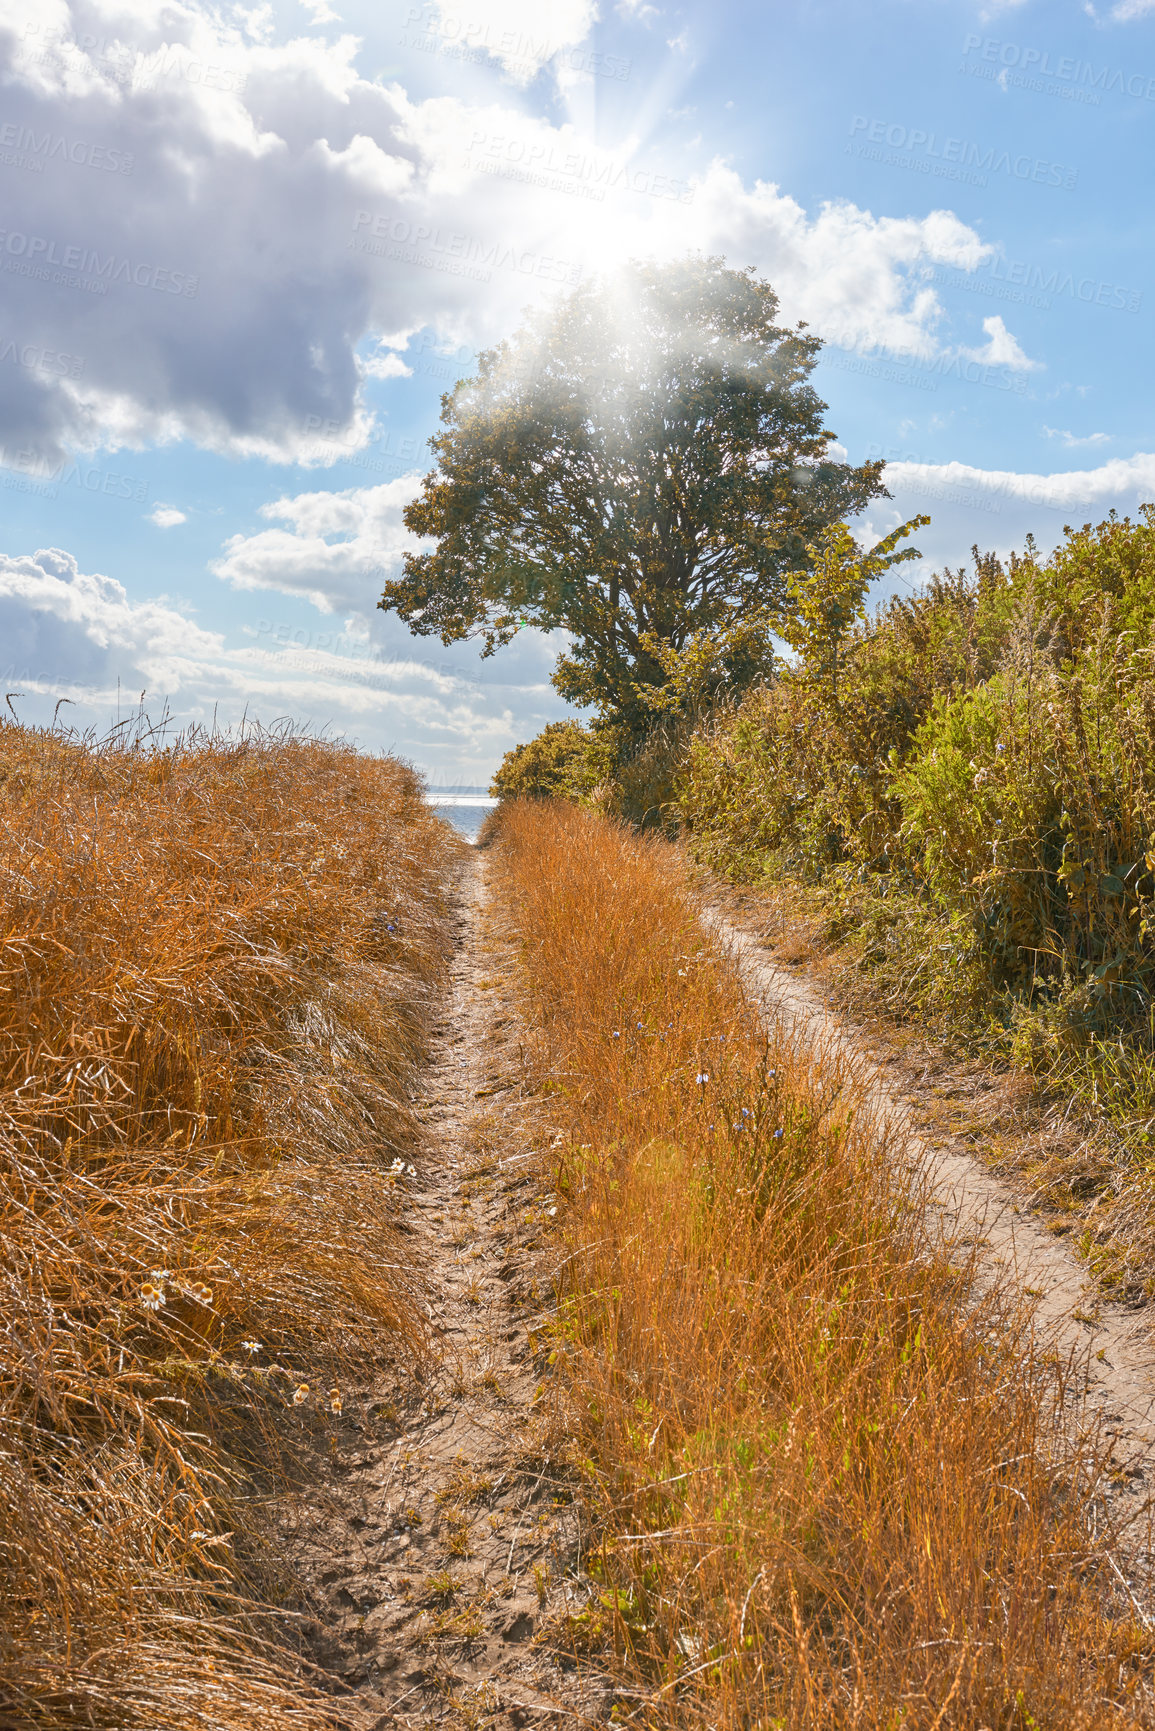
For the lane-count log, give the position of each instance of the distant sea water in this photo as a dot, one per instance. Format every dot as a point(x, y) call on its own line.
point(466, 808)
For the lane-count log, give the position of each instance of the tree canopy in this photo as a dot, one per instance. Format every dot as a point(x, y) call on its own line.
point(644, 462)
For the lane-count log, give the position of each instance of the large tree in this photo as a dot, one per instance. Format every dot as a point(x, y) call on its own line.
point(643, 463)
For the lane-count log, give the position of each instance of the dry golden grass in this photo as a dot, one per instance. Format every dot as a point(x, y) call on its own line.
point(830, 1483)
point(217, 966)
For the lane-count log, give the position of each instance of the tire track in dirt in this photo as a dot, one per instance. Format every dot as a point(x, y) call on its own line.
point(447, 1545)
point(1111, 1345)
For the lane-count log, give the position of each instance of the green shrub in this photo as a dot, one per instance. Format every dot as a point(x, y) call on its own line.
point(978, 801)
point(606, 765)
point(560, 763)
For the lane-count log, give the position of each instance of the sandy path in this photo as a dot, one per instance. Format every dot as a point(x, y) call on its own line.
point(448, 1542)
point(1112, 1344)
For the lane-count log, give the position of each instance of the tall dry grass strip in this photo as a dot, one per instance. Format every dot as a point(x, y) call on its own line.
point(217, 963)
point(829, 1481)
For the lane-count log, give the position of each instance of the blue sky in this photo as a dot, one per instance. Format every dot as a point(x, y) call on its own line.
point(243, 251)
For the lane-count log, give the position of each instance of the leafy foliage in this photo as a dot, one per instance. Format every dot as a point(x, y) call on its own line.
point(560, 763)
point(643, 462)
point(985, 762)
point(828, 598)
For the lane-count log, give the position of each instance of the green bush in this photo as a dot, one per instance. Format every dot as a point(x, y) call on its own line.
point(795, 781)
point(979, 801)
point(606, 765)
point(560, 763)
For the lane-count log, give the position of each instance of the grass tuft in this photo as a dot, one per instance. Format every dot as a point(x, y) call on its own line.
point(830, 1480)
point(218, 962)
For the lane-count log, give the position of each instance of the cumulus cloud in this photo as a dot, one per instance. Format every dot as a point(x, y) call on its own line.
point(335, 552)
point(72, 631)
point(856, 278)
point(1001, 349)
point(385, 363)
point(78, 635)
point(1122, 481)
point(221, 227)
point(167, 517)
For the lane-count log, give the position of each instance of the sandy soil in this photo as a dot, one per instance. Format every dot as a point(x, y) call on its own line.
point(1111, 1344)
point(442, 1547)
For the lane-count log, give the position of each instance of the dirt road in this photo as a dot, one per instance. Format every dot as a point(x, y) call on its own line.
point(447, 1545)
point(1112, 1344)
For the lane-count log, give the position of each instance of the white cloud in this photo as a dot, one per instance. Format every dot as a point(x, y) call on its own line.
point(385, 363)
point(1072, 441)
point(1128, 10)
point(260, 210)
point(336, 552)
point(68, 633)
point(167, 517)
point(523, 36)
point(857, 279)
point(996, 509)
point(64, 628)
point(1001, 349)
point(999, 508)
point(1123, 481)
